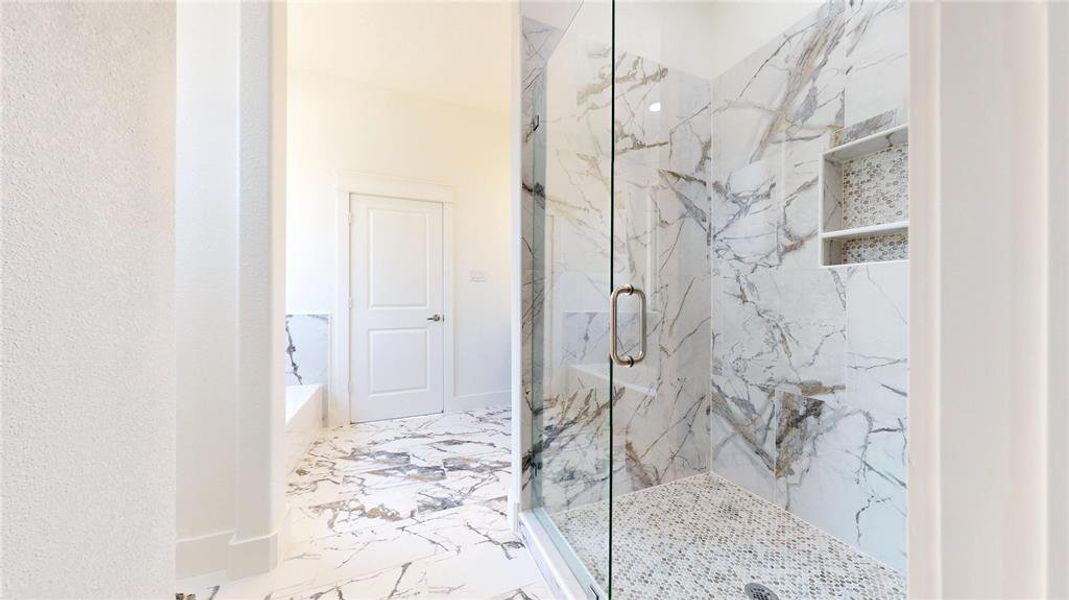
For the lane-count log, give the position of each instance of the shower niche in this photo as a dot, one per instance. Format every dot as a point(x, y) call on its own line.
point(865, 200)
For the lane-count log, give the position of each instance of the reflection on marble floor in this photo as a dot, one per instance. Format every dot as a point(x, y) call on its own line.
point(705, 537)
point(409, 508)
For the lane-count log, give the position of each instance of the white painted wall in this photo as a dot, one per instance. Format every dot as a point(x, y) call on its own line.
point(206, 213)
point(453, 51)
point(1058, 414)
point(338, 125)
point(87, 357)
point(987, 293)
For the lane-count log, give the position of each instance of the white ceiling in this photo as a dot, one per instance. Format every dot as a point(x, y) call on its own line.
point(454, 51)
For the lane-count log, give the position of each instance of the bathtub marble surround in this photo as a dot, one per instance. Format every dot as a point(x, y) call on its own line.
point(409, 508)
point(307, 349)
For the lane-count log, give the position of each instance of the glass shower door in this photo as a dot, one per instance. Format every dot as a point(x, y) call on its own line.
point(661, 274)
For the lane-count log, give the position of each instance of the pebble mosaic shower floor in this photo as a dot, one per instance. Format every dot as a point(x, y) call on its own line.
point(704, 537)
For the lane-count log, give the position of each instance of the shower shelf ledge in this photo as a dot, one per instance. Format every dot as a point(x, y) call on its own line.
point(856, 232)
point(867, 263)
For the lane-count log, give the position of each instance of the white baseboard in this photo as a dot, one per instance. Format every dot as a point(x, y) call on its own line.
point(253, 556)
point(500, 399)
point(200, 555)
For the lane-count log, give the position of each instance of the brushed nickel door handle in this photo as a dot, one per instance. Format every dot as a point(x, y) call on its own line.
point(614, 304)
point(435, 317)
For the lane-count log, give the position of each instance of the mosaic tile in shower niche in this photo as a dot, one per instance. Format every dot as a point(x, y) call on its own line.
point(892, 246)
point(876, 188)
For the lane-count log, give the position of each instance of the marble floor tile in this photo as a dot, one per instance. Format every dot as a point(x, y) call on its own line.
point(411, 508)
point(534, 591)
point(356, 506)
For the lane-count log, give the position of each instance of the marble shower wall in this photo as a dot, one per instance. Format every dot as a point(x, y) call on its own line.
point(808, 363)
point(307, 349)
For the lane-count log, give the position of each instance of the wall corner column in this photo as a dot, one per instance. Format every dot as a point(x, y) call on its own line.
point(260, 506)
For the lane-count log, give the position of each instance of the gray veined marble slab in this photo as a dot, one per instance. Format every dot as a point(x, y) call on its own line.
point(790, 89)
point(877, 58)
point(537, 42)
point(808, 364)
point(782, 329)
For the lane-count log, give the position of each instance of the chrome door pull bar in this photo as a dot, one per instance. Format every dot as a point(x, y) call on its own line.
point(614, 355)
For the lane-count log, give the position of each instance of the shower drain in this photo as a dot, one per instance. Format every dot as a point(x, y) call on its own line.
point(756, 591)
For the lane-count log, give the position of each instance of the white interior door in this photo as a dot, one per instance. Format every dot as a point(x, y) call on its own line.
point(397, 310)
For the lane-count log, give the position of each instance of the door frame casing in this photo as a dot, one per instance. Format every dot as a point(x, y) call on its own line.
point(365, 184)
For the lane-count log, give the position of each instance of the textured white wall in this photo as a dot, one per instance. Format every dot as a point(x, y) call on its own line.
point(206, 230)
point(87, 370)
point(337, 125)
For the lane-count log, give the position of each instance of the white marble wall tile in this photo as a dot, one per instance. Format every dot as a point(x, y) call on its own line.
point(767, 336)
point(799, 247)
point(537, 43)
point(746, 219)
point(877, 379)
point(841, 463)
point(808, 364)
point(575, 443)
point(877, 73)
point(743, 434)
point(843, 469)
point(585, 337)
point(877, 322)
point(789, 89)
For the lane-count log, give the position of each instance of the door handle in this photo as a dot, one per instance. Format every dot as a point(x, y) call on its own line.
point(614, 303)
point(435, 317)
